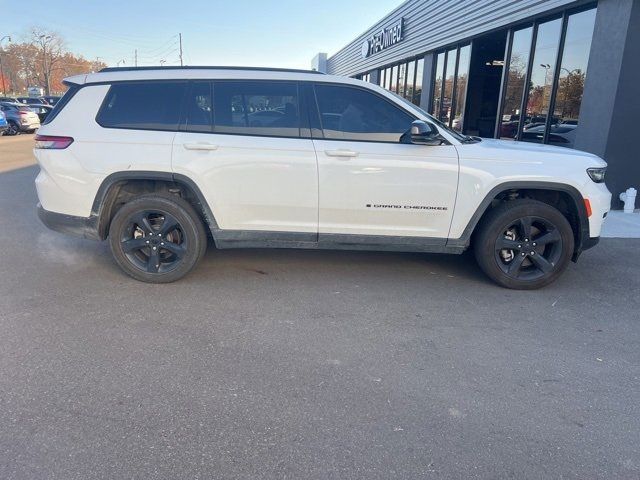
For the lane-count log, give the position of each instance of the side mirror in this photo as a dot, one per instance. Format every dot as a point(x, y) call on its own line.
point(424, 134)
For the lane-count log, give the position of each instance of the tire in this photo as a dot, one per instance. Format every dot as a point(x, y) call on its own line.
point(524, 244)
point(157, 238)
point(14, 129)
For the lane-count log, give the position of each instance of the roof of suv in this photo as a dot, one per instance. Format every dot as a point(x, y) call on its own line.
point(114, 74)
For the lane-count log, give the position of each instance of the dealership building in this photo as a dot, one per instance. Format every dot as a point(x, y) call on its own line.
point(560, 72)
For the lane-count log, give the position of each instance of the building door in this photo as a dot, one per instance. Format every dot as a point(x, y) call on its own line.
point(485, 74)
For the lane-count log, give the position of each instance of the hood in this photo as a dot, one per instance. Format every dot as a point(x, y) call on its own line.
point(510, 150)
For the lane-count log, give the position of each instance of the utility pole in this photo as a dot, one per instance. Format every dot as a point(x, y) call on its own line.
point(180, 36)
point(135, 57)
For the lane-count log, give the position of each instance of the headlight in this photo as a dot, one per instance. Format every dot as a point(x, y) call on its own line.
point(597, 174)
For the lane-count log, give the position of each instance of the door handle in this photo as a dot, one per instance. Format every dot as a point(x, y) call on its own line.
point(341, 153)
point(200, 146)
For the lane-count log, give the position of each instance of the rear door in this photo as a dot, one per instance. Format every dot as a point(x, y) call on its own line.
point(371, 180)
point(241, 143)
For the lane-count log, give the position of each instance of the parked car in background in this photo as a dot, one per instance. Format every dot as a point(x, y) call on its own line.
point(50, 99)
point(560, 134)
point(20, 118)
point(41, 110)
point(31, 101)
point(9, 99)
point(3, 123)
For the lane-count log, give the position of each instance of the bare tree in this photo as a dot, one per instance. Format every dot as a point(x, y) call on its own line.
point(50, 51)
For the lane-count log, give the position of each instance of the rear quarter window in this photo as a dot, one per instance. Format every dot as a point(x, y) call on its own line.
point(143, 106)
point(68, 95)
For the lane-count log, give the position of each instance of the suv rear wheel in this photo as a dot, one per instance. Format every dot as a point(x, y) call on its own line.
point(524, 244)
point(156, 238)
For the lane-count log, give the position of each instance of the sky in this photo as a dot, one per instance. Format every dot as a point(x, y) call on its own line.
point(270, 33)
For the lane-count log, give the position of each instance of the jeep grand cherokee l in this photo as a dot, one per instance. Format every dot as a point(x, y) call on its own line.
point(153, 159)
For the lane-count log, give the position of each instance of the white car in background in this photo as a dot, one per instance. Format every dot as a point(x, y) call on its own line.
point(153, 159)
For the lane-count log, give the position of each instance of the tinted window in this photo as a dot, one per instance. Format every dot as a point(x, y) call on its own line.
point(355, 114)
point(256, 108)
point(199, 108)
point(143, 105)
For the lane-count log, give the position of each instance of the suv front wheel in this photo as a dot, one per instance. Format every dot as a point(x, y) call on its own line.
point(156, 238)
point(524, 244)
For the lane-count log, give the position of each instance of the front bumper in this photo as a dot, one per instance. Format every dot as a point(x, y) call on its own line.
point(85, 227)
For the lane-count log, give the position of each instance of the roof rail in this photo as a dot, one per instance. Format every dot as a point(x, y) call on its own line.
point(202, 67)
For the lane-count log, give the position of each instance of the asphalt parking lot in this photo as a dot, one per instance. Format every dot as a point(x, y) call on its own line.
point(310, 364)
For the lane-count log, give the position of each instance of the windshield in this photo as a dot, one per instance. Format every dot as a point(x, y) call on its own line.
point(457, 135)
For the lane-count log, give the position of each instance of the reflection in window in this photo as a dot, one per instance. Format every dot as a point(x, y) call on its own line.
point(539, 95)
point(449, 73)
point(355, 114)
point(461, 87)
point(198, 108)
point(402, 72)
point(256, 108)
point(417, 92)
point(411, 71)
point(515, 83)
point(394, 79)
point(573, 71)
point(437, 86)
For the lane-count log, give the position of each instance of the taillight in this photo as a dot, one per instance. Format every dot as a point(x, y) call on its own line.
point(53, 143)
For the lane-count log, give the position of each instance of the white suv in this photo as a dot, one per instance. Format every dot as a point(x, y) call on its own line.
point(153, 159)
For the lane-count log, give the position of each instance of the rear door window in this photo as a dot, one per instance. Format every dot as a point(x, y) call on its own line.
point(256, 108)
point(143, 106)
point(198, 110)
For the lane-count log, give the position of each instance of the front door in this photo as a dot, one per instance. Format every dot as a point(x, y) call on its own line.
point(371, 183)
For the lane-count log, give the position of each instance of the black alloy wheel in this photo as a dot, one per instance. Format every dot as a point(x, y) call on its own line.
point(524, 244)
point(13, 129)
point(154, 241)
point(528, 248)
point(157, 238)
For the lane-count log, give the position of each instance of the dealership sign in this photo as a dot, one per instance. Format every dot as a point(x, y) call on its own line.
point(385, 38)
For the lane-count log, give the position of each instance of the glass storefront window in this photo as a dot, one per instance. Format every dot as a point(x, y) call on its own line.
point(516, 76)
point(411, 72)
point(417, 91)
point(437, 86)
point(394, 79)
point(462, 80)
point(449, 77)
point(573, 72)
point(402, 72)
point(541, 80)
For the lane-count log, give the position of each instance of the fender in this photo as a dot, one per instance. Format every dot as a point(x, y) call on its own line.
point(101, 198)
point(582, 238)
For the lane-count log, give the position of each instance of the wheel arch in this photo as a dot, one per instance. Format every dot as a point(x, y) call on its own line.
point(564, 197)
point(120, 186)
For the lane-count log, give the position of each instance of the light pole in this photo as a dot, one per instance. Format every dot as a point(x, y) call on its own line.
point(4, 87)
point(162, 62)
point(120, 62)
